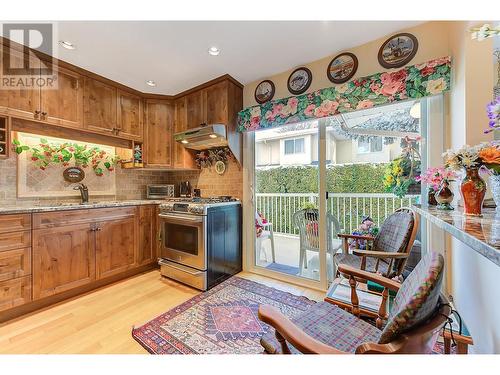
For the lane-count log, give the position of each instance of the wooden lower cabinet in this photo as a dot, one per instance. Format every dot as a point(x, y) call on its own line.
point(63, 259)
point(148, 235)
point(15, 292)
point(116, 244)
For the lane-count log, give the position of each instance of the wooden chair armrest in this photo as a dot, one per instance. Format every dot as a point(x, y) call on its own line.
point(356, 237)
point(293, 334)
point(379, 254)
point(375, 348)
point(365, 275)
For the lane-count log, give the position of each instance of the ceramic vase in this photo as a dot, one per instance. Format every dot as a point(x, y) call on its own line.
point(431, 197)
point(495, 190)
point(473, 190)
point(444, 196)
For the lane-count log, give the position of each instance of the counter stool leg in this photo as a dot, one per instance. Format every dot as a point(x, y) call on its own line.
point(447, 345)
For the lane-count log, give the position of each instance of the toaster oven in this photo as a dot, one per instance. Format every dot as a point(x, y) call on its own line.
point(160, 191)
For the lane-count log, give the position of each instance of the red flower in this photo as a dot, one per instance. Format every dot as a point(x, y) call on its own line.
point(428, 70)
point(34, 158)
point(399, 75)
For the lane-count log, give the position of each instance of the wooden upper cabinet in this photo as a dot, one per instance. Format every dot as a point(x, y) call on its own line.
point(63, 259)
point(217, 103)
point(116, 244)
point(23, 102)
point(64, 105)
point(159, 125)
point(195, 109)
point(183, 159)
point(129, 115)
point(99, 106)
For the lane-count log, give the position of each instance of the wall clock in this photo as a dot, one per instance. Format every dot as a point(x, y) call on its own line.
point(299, 81)
point(398, 50)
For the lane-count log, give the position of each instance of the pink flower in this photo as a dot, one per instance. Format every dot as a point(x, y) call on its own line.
point(391, 88)
point(364, 104)
point(277, 109)
point(254, 123)
point(385, 78)
point(293, 102)
point(269, 116)
point(375, 87)
point(309, 111)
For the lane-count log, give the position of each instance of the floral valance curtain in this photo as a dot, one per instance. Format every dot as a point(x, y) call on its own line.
point(411, 82)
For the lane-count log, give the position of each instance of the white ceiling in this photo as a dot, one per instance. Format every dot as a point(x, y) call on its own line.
point(174, 53)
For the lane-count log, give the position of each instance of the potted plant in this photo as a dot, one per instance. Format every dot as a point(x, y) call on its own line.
point(434, 178)
point(399, 176)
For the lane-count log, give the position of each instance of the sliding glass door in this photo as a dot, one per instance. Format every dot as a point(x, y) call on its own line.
point(314, 180)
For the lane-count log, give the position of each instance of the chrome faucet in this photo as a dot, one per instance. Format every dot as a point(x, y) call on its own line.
point(84, 192)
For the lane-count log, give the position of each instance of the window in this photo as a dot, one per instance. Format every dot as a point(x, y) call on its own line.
point(372, 145)
point(294, 146)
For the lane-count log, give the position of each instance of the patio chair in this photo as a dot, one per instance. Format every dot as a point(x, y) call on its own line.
point(417, 315)
point(267, 233)
point(307, 222)
point(388, 251)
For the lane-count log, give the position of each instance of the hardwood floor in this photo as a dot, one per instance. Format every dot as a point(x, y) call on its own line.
point(100, 322)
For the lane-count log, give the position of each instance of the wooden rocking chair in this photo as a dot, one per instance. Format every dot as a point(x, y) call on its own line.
point(418, 313)
point(388, 252)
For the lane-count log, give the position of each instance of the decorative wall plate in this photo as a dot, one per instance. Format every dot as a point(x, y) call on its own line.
point(264, 91)
point(398, 50)
point(74, 174)
point(299, 81)
point(342, 68)
point(220, 167)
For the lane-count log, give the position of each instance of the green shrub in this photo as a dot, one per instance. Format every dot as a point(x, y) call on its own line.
point(355, 178)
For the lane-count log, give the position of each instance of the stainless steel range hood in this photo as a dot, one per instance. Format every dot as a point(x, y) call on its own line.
point(204, 137)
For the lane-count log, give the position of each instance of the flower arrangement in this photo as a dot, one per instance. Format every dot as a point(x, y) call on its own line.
point(465, 157)
point(367, 228)
point(490, 157)
point(485, 31)
point(435, 176)
point(207, 158)
point(493, 111)
point(400, 173)
point(45, 154)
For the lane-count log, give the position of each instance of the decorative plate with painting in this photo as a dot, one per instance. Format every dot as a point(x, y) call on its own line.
point(299, 81)
point(264, 91)
point(398, 50)
point(342, 68)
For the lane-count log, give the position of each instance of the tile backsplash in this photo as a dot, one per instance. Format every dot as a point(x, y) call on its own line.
point(130, 183)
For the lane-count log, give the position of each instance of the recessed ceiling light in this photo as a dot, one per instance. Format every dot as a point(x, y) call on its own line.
point(214, 51)
point(213, 136)
point(67, 45)
point(151, 83)
point(184, 141)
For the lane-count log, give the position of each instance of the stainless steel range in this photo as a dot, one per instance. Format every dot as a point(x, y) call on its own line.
point(200, 240)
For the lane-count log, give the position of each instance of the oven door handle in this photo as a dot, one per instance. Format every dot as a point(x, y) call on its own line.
point(169, 264)
point(180, 218)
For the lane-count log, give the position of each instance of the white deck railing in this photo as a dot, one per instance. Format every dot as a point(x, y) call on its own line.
point(348, 208)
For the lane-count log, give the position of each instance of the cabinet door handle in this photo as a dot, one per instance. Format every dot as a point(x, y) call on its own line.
point(44, 115)
point(37, 114)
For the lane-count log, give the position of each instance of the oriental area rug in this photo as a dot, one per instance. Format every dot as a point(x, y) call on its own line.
point(223, 320)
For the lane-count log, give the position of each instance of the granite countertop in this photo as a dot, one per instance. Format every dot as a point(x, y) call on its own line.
point(74, 206)
point(482, 233)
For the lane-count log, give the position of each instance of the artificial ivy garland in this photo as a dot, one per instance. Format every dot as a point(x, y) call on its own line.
point(47, 153)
